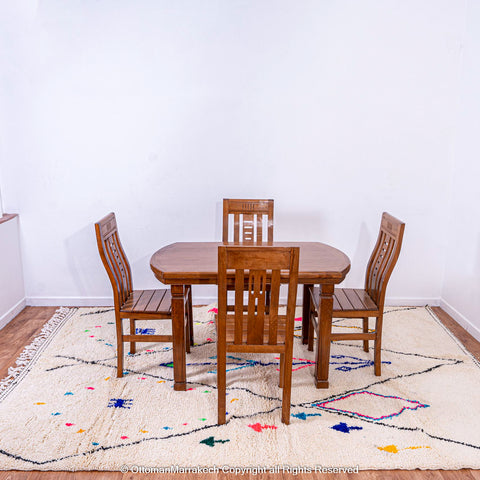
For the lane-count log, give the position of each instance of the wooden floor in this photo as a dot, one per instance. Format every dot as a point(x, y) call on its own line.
point(23, 329)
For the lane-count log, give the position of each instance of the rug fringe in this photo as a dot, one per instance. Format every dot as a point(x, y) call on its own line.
point(29, 352)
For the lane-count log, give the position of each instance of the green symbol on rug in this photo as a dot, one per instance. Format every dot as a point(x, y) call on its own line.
point(210, 441)
point(303, 415)
point(343, 427)
point(258, 428)
point(203, 419)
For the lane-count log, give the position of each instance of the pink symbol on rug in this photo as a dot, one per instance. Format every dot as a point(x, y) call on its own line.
point(90, 388)
point(98, 326)
point(298, 319)
point(69, 424)
point(142, 378)
point(258, 428)
point(209, 340)
point(92, 336)
point(366, 404)
point(192, 388)
point(214, 310)
point(123, 437)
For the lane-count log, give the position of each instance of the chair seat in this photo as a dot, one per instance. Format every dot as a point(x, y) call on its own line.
point(153, 302)
point(281, 328)
point(348, 301)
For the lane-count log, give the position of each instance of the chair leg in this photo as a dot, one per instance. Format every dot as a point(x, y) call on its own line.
point(221, 383)
point(365, 330)
point(119, 328)
point(282, 370)
point(190, 316)
point(311, 332)
point(378, 345)
point(132, 332)
point(287, 388)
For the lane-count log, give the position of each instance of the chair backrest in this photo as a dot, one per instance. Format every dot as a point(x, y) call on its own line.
point(255, 267)
point(384, 257)
point(248, 220)
point(114, 258)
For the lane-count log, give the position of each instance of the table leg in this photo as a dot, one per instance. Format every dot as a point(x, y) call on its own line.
point(306, 312)
point(178, 332)
point(322, 360)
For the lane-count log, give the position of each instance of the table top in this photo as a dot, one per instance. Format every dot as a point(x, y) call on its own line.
point(189, 263)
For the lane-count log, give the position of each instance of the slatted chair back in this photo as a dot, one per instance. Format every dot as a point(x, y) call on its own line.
point(383, 258)
point(248, 220)
point(257, 267)
point(114, 258)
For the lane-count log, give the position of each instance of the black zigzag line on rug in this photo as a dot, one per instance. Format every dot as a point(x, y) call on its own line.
point(167, 379)
point(97, 312)
point(410, 354)
point(206, 427)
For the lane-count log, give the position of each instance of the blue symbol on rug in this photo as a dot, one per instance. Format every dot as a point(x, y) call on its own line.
point(120, 402)
point(303, 415)
point(348, 363)
point(343, 427)
point(145, 331)
point(56, 413)
point(68, 393)
point(94, 443)
point(167, 428)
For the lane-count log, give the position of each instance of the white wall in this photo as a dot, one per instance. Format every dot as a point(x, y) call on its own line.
point(461, 291)
point(157, 110)
point(12, 290)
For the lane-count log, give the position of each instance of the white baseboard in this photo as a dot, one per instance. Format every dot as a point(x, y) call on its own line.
point(70, 301)
point(461, 320)
point(12, 313)
point(412, 301)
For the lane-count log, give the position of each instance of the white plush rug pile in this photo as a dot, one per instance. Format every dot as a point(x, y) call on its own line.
point(63, 408)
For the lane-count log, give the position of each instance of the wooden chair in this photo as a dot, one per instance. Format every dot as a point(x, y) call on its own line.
point(248, 219)
point(256, 331)
point(367, 302)
point(134, 304)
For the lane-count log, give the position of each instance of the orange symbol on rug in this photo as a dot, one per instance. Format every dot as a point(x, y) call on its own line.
point(144, 431)
point(394, 449)
point(161, 381)
point(258, 428)
point(233, 400)
point(81, 431)
point(39, 403)
point(108, 378)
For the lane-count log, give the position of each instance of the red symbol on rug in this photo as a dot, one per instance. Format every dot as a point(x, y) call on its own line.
point(90, 388)
point(214, 310)
point(209, 340)
point(92, 336)
point(192, 388)
point(258, 428)
point(69, 424)
point(142, 378)
point(298, 319)
point(123, 437)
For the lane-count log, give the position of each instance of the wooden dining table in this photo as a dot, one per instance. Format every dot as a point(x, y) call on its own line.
point(196, 263)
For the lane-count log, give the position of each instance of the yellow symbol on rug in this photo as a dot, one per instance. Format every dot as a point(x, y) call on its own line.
point(39, 403)
point(81, 431)
point(233, 399)
point(394, 449)
point(161, 381)
point(108, 378)
point(144, 431)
